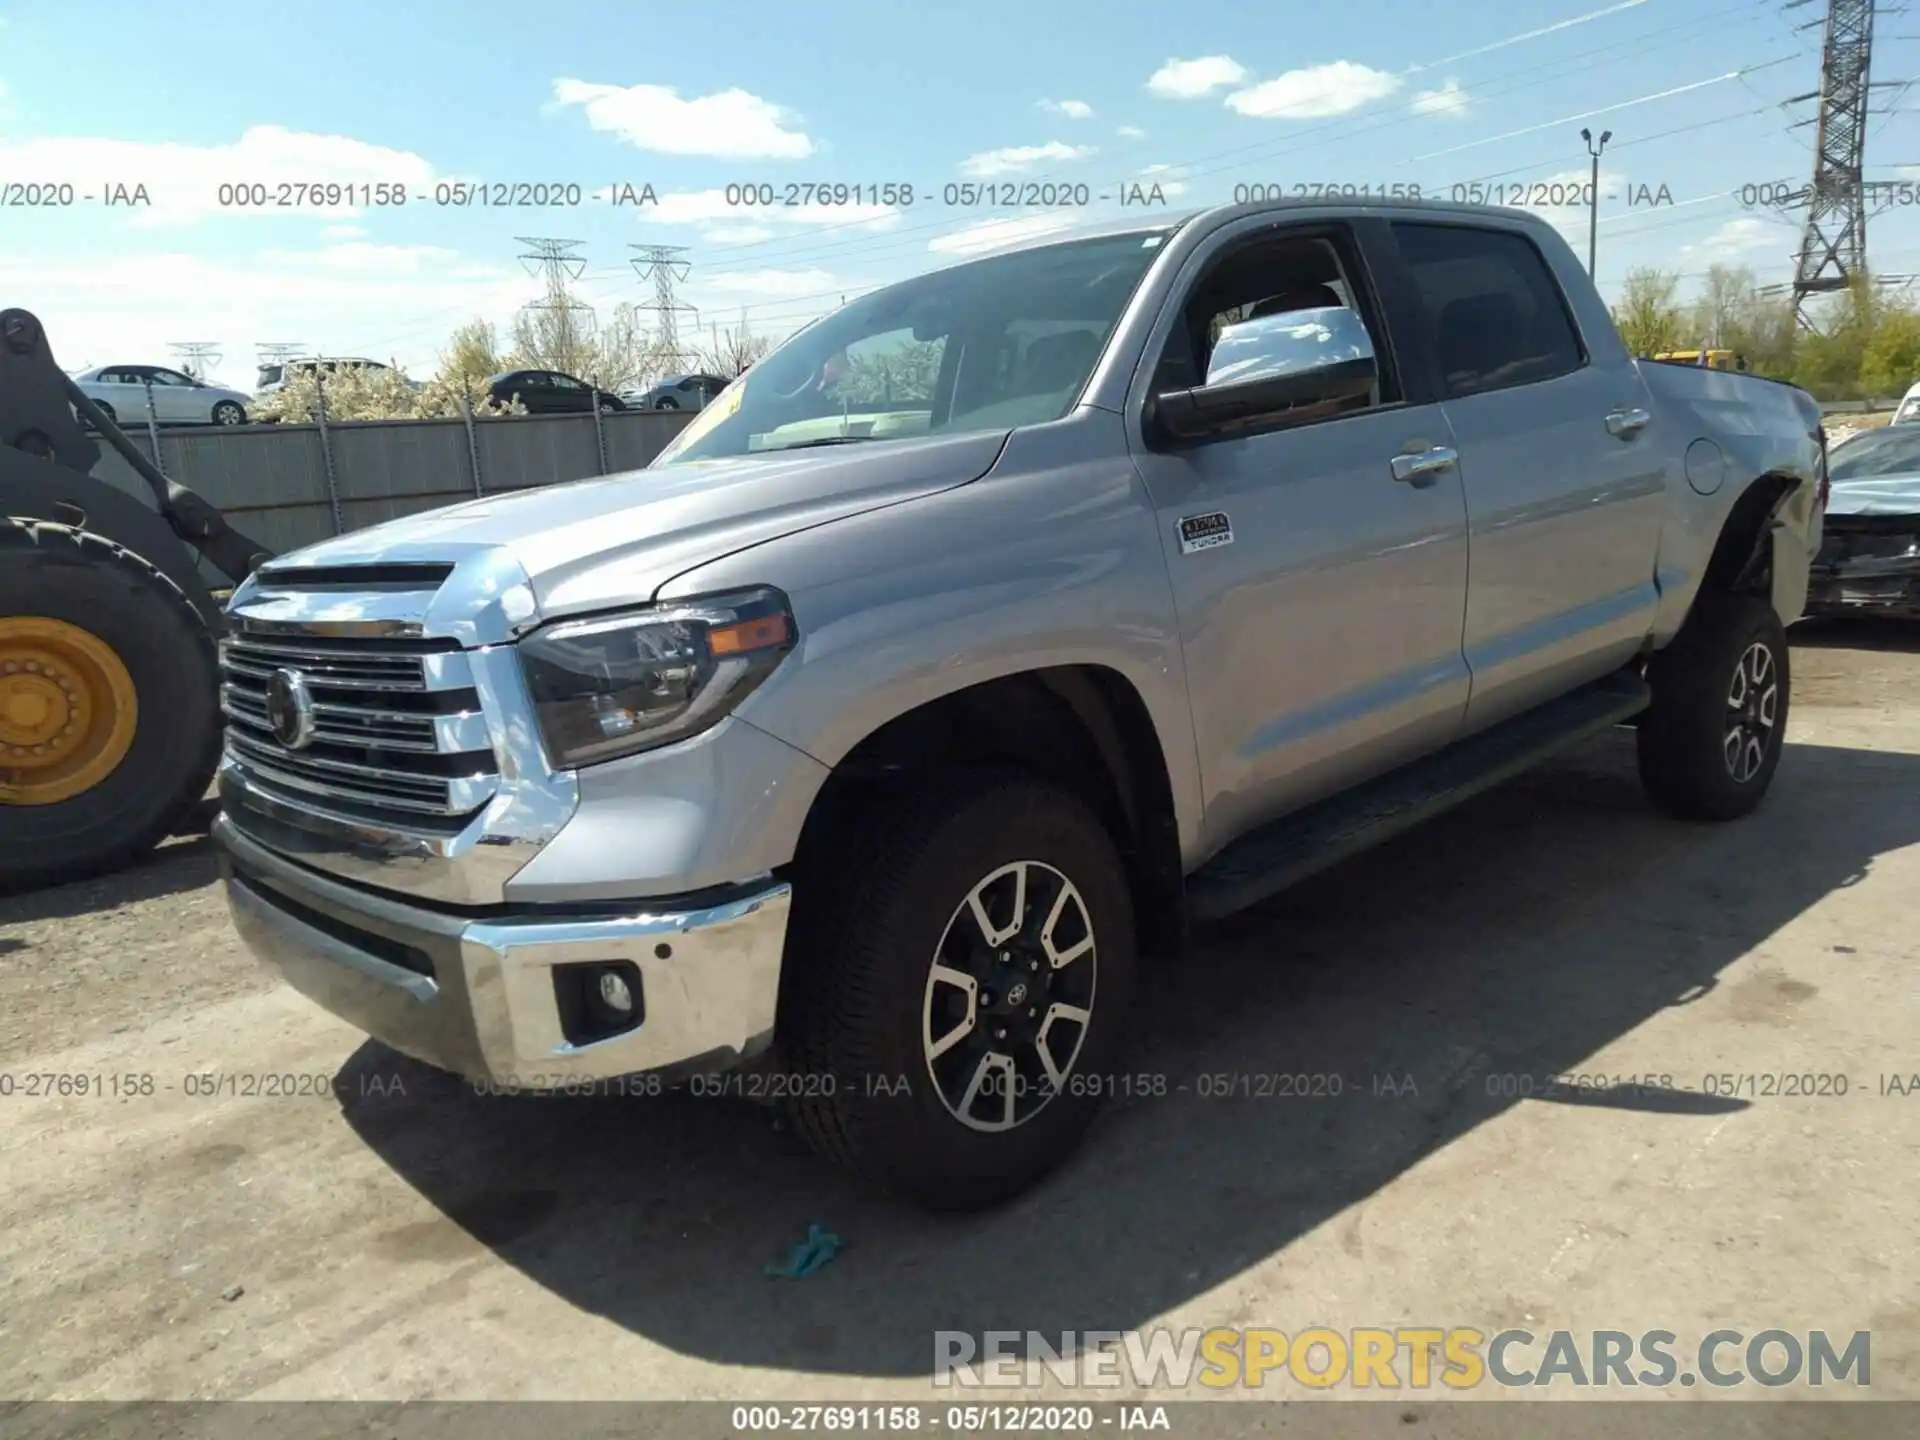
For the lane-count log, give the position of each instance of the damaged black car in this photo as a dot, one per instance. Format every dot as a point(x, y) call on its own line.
point(1869, 560)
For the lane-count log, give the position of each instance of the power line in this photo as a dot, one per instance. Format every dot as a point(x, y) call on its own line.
point(565, 326)
point(1833, 242)
point(196, 356)
point(662, 265)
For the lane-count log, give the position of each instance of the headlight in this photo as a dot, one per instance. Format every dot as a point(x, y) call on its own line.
point(615, 685)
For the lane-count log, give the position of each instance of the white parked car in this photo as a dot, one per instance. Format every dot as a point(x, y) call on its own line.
point(1909, 410)
point(178, 398)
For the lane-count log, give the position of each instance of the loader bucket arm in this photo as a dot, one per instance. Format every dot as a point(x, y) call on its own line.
point(46, 464)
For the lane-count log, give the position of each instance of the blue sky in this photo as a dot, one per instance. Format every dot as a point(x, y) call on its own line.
point(185, 97)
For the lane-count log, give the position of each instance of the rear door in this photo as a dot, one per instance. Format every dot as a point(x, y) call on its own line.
point(535, 391)
point(1564, 475)
point(118, 387)
point(1319, 585)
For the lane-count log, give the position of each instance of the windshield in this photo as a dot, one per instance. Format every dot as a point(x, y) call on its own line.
point(1878, 452)
point(989, 345)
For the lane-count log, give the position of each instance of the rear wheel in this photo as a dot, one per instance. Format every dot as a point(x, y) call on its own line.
point(666, 402)
point(1710, 742)
point(958, 990)
point(109, 720)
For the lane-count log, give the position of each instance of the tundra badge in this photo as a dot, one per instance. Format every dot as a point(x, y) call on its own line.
point(1204, 532)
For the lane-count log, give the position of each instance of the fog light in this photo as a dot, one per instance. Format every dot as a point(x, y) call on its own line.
point(614, 991)
point(598, 999)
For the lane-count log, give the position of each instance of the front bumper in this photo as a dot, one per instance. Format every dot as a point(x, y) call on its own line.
point(479, 997)
point(1867, 575)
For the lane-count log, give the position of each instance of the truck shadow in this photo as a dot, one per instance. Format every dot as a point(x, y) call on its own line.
point(1514, 938)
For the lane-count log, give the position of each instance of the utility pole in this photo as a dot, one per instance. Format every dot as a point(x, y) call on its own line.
point(1593, 195)
point(1833, 238)
point(196, 356)
point(662, 265)
point(566, 325)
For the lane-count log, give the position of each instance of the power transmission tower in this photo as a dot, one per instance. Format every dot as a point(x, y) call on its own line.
point(278, 352)
point(1833, 238)
point(662, 265)
point(196, 356)
point(565, 326)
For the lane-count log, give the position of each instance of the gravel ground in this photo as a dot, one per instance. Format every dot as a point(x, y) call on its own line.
point(392, 1235)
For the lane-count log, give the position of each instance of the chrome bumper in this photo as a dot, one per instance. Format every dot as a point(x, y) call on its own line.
point(479, 997)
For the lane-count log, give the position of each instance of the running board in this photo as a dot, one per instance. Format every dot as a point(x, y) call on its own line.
point(1260, 865)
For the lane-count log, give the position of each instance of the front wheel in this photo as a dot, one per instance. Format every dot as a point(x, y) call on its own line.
point(956, 1001)
point(227, 412)
point(1711, 741)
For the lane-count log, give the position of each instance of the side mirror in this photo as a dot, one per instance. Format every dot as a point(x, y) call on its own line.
point(1312, 361)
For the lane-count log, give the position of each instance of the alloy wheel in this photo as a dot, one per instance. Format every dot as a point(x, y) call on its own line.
point(1753, 703)
point(1009, 996)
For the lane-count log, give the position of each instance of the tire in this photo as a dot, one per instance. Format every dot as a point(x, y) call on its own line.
point(1711, 741)
point(607, 407)
point(861, 1008)
point(229, 412)
point(666, 402)
point(55, 581)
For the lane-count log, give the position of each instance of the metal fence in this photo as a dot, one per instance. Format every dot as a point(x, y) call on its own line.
point(292, 485)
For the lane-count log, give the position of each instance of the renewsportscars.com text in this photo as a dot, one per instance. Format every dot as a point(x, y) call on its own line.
point(1398, 1357)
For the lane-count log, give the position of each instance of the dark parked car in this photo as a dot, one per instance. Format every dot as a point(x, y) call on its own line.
point(548, 392)
point(679, 392)
point(1869, 560)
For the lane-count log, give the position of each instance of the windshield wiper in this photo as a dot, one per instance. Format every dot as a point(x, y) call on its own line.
point(824, 440)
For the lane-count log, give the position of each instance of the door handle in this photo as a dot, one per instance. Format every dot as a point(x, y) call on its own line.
point(1626, 423)
point(1418, 469)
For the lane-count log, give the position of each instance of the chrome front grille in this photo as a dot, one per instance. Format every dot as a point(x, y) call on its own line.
point(397, 736)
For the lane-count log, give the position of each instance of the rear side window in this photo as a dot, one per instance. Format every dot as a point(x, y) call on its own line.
point(1494, 310)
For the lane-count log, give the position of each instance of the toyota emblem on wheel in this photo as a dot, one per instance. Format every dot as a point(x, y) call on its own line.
point(290, 709)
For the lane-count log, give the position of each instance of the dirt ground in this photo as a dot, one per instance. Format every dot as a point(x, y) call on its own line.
point(393, 1235)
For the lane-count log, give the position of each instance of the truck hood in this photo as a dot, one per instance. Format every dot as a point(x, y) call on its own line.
point(593, 544)
point(1876, 495)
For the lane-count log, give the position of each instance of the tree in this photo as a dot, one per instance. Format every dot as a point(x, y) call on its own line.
point(902, 374)
point(473, 352)
point(1648, 316)
point(613, 356)
point(354, 393)
point(732, 352)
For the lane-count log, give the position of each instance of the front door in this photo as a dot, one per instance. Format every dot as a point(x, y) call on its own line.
point(1320, 597)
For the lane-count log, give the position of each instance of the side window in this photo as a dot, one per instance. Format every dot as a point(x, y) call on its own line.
point(566, 382)
point(170, 377)
point(533, 380)
point(1236, 320)
point(1494, 310)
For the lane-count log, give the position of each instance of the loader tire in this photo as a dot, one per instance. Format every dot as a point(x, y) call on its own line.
point(109, 705)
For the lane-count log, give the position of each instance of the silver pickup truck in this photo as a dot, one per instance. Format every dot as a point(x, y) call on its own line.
point(986, 635)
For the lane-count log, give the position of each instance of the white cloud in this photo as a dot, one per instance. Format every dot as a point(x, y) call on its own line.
point(710, 207)
point(1131, 132)
point(383, 301)
point(774, 284)
point(1170, 179)
point(1735, 239)
point(730, 123)
point(1190, 79)
point(184, 182)
point(1319, 90)
point(342, 232)
point(985, 235)
point(1072, 109)
point(739, 234)
point(1012, 159)
point(1449, 99)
